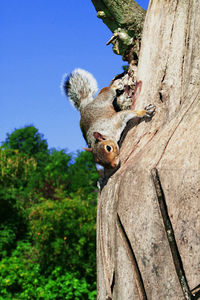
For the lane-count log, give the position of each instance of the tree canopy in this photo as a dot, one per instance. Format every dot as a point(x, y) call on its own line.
point(48, 220)
point(27, 140)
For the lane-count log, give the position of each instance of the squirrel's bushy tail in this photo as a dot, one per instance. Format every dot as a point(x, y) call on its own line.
point(79, 85)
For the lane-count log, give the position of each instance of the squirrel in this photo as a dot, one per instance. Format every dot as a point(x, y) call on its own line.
point(100, 123)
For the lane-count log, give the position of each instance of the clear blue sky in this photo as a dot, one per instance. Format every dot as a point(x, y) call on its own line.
point(41, 40)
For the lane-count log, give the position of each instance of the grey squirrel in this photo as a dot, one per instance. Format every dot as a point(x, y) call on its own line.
point(100, 123)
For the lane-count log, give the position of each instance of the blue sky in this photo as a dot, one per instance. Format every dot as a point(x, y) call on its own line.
point(41, 40)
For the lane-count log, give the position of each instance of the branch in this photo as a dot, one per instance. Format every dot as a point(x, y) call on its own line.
point(125, 19)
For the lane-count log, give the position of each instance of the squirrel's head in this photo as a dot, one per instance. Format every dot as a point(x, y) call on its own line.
point(105, 151)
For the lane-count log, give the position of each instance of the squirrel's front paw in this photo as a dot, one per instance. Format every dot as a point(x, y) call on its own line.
point(150, 110)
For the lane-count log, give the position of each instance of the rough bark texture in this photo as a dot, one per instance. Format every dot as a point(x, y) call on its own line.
point(118, 13)
point(148, 235)
point(125, 19)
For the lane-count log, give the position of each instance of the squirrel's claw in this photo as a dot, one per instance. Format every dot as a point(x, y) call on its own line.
point(150, 110)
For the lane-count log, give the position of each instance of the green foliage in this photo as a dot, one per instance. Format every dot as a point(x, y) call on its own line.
point(48, 213)
point(125, 68)
point(15, 171)
point(7, 238)
point(15, 168)
point(27, 140)
point(54, 174)
point(63, 233)
point(33, 168)
point(83, 175)
point(20, 278)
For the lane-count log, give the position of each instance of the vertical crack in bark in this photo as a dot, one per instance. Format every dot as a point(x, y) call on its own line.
point(188, 21)
point(182, 68)
point(131, 255)
point(172, 29)
point(112, 283)
point(170, 235)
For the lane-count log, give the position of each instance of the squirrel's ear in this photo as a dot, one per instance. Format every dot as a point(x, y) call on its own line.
point(88, 149)
point(98, 136)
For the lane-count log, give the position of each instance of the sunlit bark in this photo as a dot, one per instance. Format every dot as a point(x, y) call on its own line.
point(148, 228)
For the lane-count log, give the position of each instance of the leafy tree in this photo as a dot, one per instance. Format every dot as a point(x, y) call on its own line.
point(64, 233)
point(15, 171)
point(27, 140)
point(15, 168)
point(54, 173)
point(53, 168)
point(20, 278)
point(83, 175)
point(48, 220)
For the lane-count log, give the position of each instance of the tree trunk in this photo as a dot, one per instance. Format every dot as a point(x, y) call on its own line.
point(148, 223)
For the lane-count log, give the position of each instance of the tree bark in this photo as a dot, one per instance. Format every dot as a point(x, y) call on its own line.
point(125, 19)
point(148, 221)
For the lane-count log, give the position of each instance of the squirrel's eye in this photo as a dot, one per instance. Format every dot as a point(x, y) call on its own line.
point(108, 148)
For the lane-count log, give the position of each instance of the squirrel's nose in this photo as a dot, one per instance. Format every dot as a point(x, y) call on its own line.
point(116, 163)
